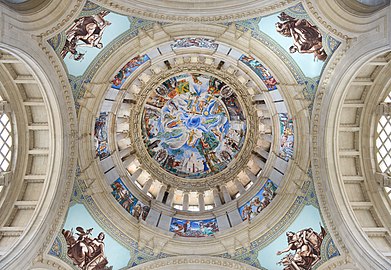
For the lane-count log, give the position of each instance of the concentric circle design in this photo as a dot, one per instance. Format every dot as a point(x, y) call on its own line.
point(193, 125)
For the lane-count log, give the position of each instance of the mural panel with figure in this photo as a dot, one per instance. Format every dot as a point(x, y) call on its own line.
point(130, 203)
point(194, 42)
point(193, 125)
point(128, 69)
point(194, 228)
point(259, 202)
point(101, 136)
point(286, 136)
point(256, 66)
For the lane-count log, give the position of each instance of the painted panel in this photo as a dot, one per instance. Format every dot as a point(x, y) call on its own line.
point(101, 136)
point(194, 228)
point(259, 202)
point(256, 66)
point(286, 136)
point(199, 42)
point(128, 201)
point(128, 69)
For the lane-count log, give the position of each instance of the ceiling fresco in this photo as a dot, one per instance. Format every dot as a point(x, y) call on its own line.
point(193, 126)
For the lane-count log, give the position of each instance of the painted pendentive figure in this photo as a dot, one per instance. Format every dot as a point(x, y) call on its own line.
point(86, 31)
point(84, 251)
point(306, 37)
point(306, 244)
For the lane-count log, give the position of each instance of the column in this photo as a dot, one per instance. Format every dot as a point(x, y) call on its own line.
point(170, 196)
point(128, 160)
point(147, 185)
point(201, 201)
point(227, 197)
point(250, 175)
point(136, 174)
point(239, 186)
point(258, 161)
point(216, 197)
point(161, 193)
point(185, 203)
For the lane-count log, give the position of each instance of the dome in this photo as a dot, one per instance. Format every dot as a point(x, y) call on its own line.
point(208, 135)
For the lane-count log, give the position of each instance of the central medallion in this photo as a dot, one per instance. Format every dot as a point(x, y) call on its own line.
point(193, 125)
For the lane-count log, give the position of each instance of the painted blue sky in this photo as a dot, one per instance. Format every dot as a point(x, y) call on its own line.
point(308, 218)
point(117, 255)
point(306, 62)
point(119, 24)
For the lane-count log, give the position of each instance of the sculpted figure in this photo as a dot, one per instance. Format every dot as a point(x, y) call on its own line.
point(306, 36)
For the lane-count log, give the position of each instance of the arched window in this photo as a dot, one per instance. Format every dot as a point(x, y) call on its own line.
point(383, 140)
point(5, 142)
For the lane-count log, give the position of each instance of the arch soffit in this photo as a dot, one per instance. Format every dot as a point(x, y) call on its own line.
point(60, 172)
point(327, 107)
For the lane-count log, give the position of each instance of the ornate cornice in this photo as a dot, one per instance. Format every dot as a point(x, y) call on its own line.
point(225, 16)
point(317, 161)
point(71, 133)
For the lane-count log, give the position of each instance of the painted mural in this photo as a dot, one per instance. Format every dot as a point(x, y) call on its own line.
point(86, 31)
point(303, 249)
point(301, 246)
point(86, 251)
point(306, 37)
point(193, 125)
point(269, 81)
point(128, 69)
point(286, 136)
point(100, 136)
point(194, 42)
point(87, 245)
point(127, 200)
point(194, 228)
point(88, 36)
point(259, 202)
point(292, 35)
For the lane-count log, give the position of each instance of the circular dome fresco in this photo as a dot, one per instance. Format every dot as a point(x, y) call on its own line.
point(193, 125)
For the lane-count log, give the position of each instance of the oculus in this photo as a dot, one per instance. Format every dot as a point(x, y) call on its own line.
point(193, 125)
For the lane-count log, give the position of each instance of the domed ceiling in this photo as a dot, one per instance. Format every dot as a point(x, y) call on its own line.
point(193, 137)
